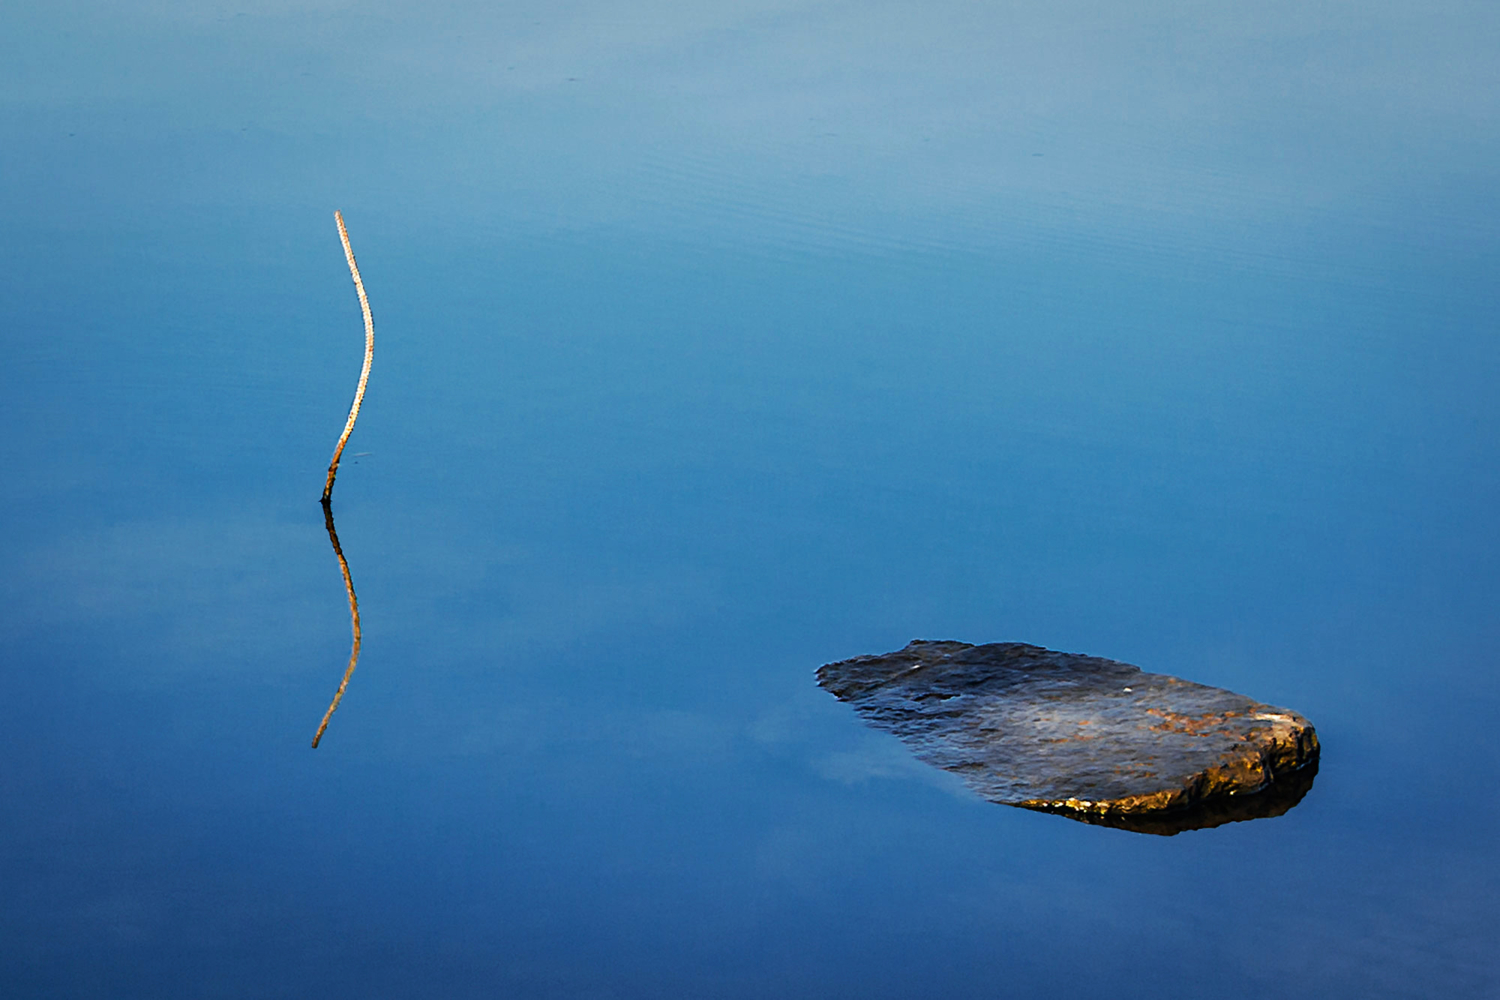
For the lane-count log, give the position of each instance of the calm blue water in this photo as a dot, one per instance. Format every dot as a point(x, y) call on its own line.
point(713, 343)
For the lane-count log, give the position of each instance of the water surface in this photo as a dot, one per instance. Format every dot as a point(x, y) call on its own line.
point(714, 344)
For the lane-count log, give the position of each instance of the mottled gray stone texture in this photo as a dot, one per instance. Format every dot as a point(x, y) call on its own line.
point(1088, 738)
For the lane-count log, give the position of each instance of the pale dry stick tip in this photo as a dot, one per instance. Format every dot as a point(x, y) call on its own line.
point(364, 374)
point(333, 536)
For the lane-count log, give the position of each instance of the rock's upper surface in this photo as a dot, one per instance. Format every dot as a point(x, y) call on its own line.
point(1089, 738)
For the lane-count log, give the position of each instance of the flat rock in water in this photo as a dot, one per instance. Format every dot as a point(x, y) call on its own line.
point(1088, 738)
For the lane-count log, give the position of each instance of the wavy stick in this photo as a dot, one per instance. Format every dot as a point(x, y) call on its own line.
point(364, 374)
point(333, 468)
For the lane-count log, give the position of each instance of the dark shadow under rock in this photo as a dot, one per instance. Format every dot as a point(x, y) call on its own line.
point(1084, 737)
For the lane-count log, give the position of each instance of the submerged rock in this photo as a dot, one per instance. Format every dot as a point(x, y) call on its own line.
point(1084, 737)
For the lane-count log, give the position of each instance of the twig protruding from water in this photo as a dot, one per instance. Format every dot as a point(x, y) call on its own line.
point(364, 374)
point(333, 468)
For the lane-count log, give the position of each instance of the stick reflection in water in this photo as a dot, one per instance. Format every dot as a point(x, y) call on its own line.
point(333, 468)
point(333, 536)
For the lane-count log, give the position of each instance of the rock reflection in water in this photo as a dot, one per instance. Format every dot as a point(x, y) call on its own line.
point(1084, 737)
point(1276, 798)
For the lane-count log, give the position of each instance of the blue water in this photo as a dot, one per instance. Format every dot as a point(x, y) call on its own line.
point(714, 343)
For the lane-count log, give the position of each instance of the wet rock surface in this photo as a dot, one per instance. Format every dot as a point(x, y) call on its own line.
point(1092, 739)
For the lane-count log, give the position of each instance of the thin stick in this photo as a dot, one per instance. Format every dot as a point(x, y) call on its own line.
point(333, 536)
point(364, 374)
point(333, 468)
